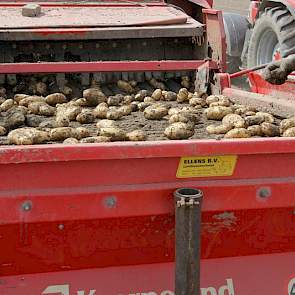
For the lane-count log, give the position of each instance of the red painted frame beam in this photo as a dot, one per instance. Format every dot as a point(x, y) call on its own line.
point(102, 66)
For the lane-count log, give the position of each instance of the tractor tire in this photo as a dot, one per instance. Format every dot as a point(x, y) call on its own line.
point(273, 36)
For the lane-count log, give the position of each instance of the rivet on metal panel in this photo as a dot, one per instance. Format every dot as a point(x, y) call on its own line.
point(61, 226)
point(27, 206)
point(264, 192)
point(110, 202)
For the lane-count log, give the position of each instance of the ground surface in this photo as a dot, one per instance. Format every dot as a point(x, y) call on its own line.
point(236, 6)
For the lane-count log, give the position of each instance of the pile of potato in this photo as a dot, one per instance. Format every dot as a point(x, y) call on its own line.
point(239, 121)
point(40, 118)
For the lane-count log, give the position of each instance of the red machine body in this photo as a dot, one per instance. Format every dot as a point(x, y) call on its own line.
point(99, 219)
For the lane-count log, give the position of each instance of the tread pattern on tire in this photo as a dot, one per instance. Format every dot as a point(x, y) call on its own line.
point(285, 25)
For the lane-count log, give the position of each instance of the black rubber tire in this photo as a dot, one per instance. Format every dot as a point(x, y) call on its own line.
point(277, 21)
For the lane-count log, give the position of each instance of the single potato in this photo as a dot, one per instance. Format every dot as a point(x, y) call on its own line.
point(55, 98)
point(269, 129)
point(219, 129)
point(238, 133)
point(155, 113)
point(234, 121)
point(217, 113)
point(290, 132)
point(136, 135)
point(27, 136)
point(179, 130)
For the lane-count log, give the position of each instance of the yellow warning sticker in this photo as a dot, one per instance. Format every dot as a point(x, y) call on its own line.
point(206, 166)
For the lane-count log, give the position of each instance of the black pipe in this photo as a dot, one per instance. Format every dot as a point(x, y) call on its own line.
point(188, 203)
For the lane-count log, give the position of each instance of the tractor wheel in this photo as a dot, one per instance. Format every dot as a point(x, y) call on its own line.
point(273, 37)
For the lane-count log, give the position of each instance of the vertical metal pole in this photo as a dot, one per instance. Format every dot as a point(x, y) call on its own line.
point(188, 203)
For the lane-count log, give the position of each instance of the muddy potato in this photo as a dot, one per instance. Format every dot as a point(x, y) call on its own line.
point(95, 139)
point(234, 121)
point(3, 131)
point(62, 121)
point(125, 110)
point(6, 105)
point(155, 113)
point(27, 135)
point(184, 117)
point(269, 129)
point(238, 133)
point(15, 120)
point(286, 124)
point(170, 96)
point(85, 117)
point(242, 110)
point(115, 100)
point(55, 98)
point(94, 96)
point(71, 140)
point(114, 133)
point(157, 94)
point(255, 130)
point(219, 129)
point(149, 99)
point(105, 123)
point(34, 107)
point(195, 101)
point(182, 95)
point(290, 132)
point(143, 105)
point(253, 120)
point(68, 111)
point(268, 118)
point(217, 113)
point(81, 132)
point(29, 99)
point(48, 123)
point(21, 109)
point(18, 97)
point(128, 99)
point(190, 109)
point(79, 102)
point(157, 84)
point(114, 114)
point(32, 120)
point(223, 101)
point(101, 111)
point(179, 130)
point(174, 111)
point(212, 98)
point(125, 86)
point(141, 95)
point(136, 135)
point(134, 106)
point(46, 110)
point(61, 133)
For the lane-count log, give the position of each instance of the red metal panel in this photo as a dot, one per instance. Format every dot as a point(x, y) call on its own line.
point(285, 91)
point(263, 274)
point(216, 36)
point(77, 207)
point(101, 66)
